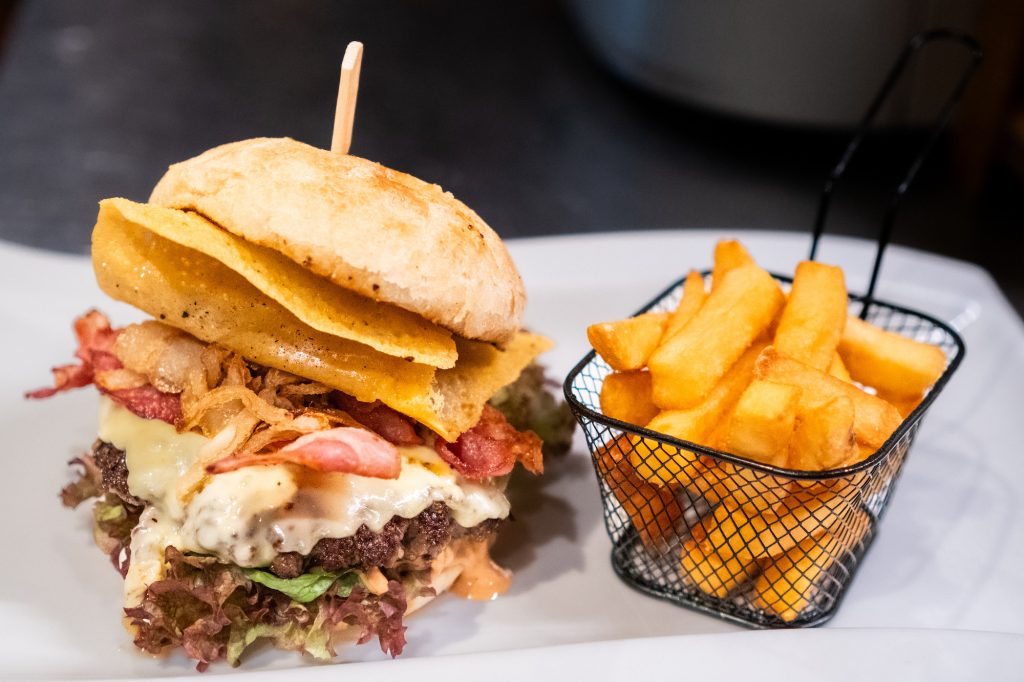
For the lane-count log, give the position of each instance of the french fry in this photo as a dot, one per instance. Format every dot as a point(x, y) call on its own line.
point(789, 583)
point(904, 403)
point(653, 511)
point(710, 574)
point(837, 369)
point(743, 487)
point(705, 374)
point(874, 419)
point(626, 344)
point(815, 314)
point(687, 366)
point(626, 396)
point(823, 438)
point(694, 296)
point(736, 532)
point(661, 465)
point(762, 422)
point(728, 546)
point(729, 255)
point(860, 453)
point(892, 364)
point(708, 424)
point(730, 531)
point(801, 515)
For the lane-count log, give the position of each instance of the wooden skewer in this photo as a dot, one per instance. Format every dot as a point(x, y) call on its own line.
point(345, 113)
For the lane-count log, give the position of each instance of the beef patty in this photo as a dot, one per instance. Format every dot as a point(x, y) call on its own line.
point(401, 545)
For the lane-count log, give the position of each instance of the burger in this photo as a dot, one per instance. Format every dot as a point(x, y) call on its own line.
point(311, 437)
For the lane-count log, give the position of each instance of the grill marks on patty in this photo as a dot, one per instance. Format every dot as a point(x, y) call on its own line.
point(364, 550)
point(401, 545)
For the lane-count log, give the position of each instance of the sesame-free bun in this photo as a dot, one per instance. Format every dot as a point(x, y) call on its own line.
point(373, 230)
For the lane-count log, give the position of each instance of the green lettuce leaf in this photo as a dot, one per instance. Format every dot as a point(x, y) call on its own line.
point(307, 586)
point(105, 512)
point(290, 635)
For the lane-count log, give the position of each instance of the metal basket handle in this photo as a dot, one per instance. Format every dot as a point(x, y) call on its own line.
point(915, 44)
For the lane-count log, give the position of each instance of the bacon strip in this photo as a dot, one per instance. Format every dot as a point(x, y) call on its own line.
point(393, 426)
point(343, 450)
point(149, 403)
point(492, 448)
point(96, 353)
point(65, 378)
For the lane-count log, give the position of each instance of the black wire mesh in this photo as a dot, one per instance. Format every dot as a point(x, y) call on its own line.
point(748, 542)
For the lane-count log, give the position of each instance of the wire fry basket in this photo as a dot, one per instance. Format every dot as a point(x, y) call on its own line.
point(749, 542)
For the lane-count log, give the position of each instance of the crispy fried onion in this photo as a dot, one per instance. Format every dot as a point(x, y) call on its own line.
point(254, 415)
point(248, 410)
point(120, 379)
point(213, 410)
point(168, 359)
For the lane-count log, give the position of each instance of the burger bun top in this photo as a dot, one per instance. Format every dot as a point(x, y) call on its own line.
point(367, 228)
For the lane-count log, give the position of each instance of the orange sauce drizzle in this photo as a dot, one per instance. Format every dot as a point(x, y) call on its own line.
point(481, 579)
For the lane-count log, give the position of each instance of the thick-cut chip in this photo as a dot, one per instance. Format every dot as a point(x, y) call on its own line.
point(191, 291)
point(874, 419)
point(710, 574)
point(823, 438)
point(790, 583)
point(626, 396)
point(654, 512)
point(686, 367)
point(662, 465)
point(904, 403)
point(693, 298)
point(729, 255)
point(322, 305)
point(626, 344)
point(893, 364)
point(762, 422)
point(860, 453)
point(837, 369)
point(812, 321)
point(787, 585)
point(751, 490)
point(732, 531)
point(793, 564)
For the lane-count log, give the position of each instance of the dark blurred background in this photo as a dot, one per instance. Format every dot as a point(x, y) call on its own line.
point(546, 117)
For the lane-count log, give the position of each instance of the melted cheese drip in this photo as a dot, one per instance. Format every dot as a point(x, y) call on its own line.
point(248, 516)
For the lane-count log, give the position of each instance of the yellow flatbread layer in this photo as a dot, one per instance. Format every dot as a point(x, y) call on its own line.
point(319, 303)
point(458, 394)
point(196, 293)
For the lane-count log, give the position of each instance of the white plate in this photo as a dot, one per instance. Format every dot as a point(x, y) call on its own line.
point(948, 556)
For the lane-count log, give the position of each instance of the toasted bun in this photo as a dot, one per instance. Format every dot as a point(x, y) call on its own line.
point(370, 229)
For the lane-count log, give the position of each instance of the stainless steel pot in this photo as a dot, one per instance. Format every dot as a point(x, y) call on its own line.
point(805, 62)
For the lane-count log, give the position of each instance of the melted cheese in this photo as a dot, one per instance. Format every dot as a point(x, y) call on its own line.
point(248, 516)
point(149, 539)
